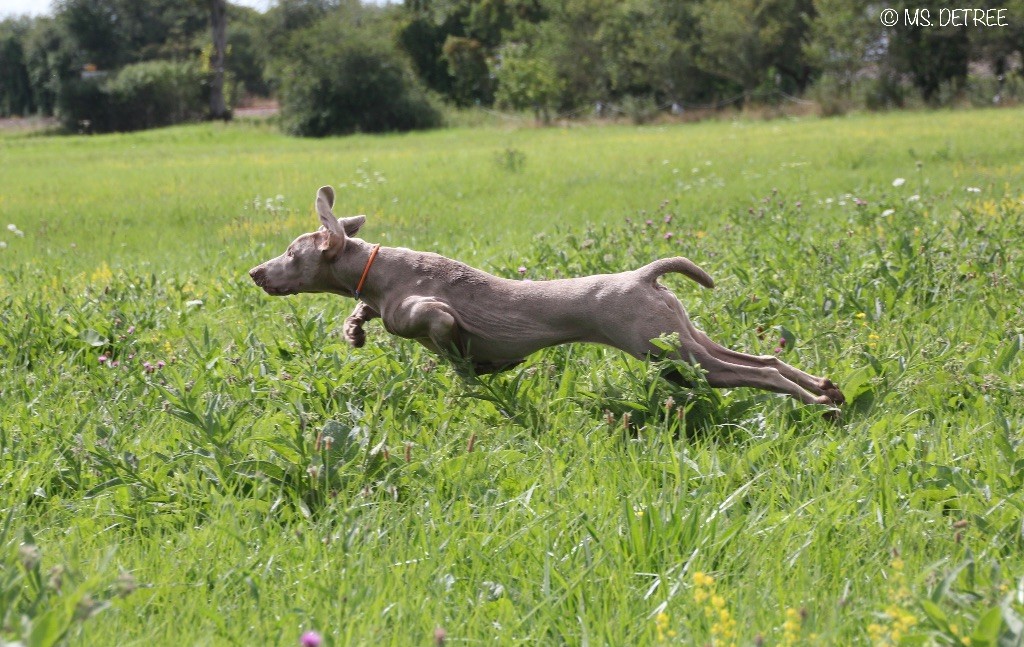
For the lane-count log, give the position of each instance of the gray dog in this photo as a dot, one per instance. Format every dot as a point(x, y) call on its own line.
point(464, 313)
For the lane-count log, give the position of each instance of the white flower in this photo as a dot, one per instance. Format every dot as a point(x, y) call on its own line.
point(973, 189)
point(3, 245)
point(12, 227)
point(899, 182)
point(888, 212)
point(914, 198)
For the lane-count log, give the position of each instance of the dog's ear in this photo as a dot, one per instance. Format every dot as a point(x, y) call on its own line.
point(352, 225)
point(324, 202)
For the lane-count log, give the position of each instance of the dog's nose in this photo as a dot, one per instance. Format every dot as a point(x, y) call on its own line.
point(256, 273)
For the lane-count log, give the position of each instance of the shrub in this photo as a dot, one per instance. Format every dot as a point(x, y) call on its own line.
point(139, 96)
point(336, 83)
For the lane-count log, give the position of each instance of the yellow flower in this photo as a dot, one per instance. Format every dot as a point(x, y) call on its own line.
point(702, 579)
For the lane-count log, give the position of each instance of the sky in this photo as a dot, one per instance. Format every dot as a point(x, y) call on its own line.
point(37, 7)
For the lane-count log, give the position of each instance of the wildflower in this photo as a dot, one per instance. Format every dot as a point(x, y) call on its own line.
point(723, 624)
point(29, 555)
point(778, 349)
point(668, 219)
point(522, 269)
point(782, 342)
point(661, 624)
point(914, 198)
point(313, 471)
point(860, 315)
point(859, 202)
point(102, 359)
point(311, 639)
point(440, 635)
point(973, 189)
point(160, 364)
point(888, 212)
point(668, 235)
point(703, 580)
point(791, 627)
point(3, 245)
point(899, 182)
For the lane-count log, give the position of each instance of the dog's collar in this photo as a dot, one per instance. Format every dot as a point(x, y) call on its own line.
point(366, 270)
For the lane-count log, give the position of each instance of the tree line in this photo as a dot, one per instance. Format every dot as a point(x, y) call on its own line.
point(339, 66)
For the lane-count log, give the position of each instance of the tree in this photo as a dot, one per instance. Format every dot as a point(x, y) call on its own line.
point(751, 42)
point(15, 87)
point(219, 29)
point(844, 40)
point(934, 56)
point(343, 74)
point(526, 81)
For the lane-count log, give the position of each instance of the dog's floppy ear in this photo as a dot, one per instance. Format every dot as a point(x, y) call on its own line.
point(351, 225)
point(324, 202)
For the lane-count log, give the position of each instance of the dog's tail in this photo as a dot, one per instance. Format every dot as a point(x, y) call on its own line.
point(678, 264)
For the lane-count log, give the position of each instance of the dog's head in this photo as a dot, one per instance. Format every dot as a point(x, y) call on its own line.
point(307, 265)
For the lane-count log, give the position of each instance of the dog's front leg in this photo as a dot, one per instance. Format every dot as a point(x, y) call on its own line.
point(430, 322)
point(353, 329)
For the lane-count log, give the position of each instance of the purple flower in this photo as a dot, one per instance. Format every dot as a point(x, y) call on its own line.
point(668, 235)
point(160, 364)
point(668, 219)
point(311, 639)
point(522, 269)
point(131, 329)
point(101, 359)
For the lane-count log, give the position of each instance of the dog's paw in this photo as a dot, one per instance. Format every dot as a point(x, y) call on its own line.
point(832, 392)
point(354, 333)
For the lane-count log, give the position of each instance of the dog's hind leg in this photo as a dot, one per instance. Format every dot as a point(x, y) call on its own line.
point(817, 385)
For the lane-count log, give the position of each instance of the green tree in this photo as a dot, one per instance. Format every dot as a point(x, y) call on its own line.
point(114, 33)
point(755, 43)
point(933, 56)
point(344, 74)
point(526, 81)
point(16, 96)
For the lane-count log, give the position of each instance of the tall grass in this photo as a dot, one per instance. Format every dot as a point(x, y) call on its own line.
point(186, 460)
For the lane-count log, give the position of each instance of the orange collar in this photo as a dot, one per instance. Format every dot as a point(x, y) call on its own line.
point(366, 270)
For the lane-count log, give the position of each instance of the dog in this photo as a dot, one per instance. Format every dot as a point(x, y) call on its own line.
point(467, 315)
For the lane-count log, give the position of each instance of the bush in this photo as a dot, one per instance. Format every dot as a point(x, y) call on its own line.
point(139, 96)
point(334, 83)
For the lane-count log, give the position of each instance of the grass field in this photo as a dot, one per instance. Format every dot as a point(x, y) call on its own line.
point(185, 460)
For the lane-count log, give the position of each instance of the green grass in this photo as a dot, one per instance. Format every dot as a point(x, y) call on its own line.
point(572, 501)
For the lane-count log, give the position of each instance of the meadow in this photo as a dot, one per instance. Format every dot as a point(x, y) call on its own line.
point(186, 460)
